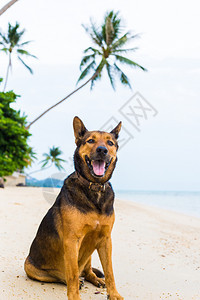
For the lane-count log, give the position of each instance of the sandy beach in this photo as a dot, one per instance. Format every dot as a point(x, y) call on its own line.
point(156, 253)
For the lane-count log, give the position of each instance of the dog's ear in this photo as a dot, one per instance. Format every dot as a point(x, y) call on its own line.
point(116, 130)
point(79, 128)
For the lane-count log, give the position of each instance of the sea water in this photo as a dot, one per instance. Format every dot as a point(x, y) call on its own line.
point(183, 202)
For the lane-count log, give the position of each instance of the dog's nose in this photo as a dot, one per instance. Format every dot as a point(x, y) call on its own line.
point(102, 150)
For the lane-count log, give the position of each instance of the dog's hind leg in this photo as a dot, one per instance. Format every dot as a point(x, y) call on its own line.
point(38, 274)
point(93, 275)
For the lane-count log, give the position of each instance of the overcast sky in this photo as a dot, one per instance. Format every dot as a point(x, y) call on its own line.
point(161, 151)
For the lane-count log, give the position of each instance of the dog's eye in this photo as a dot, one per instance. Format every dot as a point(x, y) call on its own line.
point(91, 141)
point(110, 143)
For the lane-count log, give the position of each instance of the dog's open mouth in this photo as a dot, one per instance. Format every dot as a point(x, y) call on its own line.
point(97, 167)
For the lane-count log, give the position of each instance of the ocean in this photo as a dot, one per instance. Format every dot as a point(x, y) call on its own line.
point(182, 202)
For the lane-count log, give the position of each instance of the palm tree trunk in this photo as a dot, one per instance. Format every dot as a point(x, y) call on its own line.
point(76, 90)
point(5, 7)
point(7, 73)
point(36, 171)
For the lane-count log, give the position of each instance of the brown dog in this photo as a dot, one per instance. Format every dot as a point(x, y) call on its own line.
point(81, 219)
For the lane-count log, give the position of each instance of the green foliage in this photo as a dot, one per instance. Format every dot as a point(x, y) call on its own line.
point(53, 158)
point(109, 44)
point(15, 154)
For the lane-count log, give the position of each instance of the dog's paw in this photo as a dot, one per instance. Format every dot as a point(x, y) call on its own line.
point(115, 297)
point(81, 283)
point(73, 297)
point(99, 282)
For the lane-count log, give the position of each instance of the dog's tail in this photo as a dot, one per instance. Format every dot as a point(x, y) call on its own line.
point(98, 273)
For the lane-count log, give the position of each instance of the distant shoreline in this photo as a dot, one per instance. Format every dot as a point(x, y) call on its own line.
point(186, 202)
point(182, 202)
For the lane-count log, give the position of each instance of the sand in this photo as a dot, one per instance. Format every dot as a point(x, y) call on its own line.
point(156, 253)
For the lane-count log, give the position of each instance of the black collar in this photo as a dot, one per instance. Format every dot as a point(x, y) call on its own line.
point(93, 186)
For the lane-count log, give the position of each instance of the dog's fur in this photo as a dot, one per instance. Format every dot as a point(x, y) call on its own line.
point(80, 220)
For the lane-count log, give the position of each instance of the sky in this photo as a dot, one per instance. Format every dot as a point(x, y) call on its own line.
point(159, 147)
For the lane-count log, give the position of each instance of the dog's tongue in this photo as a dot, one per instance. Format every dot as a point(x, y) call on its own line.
point(99, 167)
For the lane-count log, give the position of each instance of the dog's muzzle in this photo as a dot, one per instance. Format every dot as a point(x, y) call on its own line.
point(98, 166)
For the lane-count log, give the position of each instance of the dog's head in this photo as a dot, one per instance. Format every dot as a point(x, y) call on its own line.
point(96, 154)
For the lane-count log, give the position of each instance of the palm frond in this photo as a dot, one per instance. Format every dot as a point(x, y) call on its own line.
point(44, 164)
point(125, 50)
point(25, 43)
point(46, 155)
point(94, 34)
point(55, 151)
point(110, 75)
point(24, 52)
point(86, 71)
point(123, 78)
point(33, 154)
point(86, 59)
point(129, 62)
point(121, 41)
point(60, 160)
point(6, 50)
point(117, 24)
point(4, 38)
point(30, 70)
point(2, 43)
point(59, 166)
point(46, 160)
point(96, 51)
point(98, 72)
point(13, 35)
point(127, 37)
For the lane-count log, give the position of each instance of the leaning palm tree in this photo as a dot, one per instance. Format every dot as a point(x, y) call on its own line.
point(109, 47)
point(51, 158)
point(12, 41)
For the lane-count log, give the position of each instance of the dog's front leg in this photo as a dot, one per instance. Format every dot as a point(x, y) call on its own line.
point(105, 255)
point(71, 268)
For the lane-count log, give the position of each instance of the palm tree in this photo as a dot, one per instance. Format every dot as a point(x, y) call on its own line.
point(51, 158)
point(10, 42)
point(109, 45)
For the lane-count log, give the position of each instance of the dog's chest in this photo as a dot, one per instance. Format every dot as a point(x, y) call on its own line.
point(93, 225)
point(98, 197)
point(96, 224)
